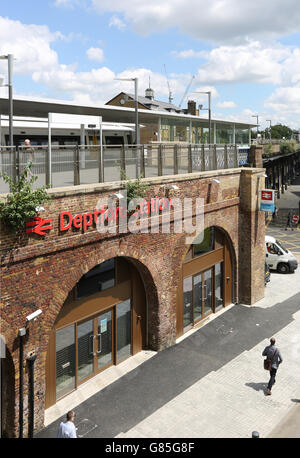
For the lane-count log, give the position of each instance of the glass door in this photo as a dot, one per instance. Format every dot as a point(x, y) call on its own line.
point(123, 330)
point(197, 296)
point(219, 302)
point(104, 339)
point(85, 349)
point(188, 302)
point(65, 361)
point(208, 292)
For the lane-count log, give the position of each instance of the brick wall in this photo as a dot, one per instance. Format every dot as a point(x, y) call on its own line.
point(39, 272)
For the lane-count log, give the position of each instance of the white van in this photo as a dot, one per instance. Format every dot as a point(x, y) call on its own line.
point(278, 257)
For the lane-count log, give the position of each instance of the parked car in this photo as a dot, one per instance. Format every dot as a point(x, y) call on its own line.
point(278, 257)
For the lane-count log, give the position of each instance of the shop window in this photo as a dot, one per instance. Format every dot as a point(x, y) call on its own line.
point(98, 279)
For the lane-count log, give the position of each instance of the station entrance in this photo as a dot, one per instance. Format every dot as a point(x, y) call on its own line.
point(206, 279)
point(102, 322)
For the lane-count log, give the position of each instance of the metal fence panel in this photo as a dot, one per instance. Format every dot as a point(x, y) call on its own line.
point(7, 165)
point(72, 165)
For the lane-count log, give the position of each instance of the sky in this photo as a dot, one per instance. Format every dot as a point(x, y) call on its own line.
point(247, 53)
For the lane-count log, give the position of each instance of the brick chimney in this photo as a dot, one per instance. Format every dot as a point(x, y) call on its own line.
point(191, 107)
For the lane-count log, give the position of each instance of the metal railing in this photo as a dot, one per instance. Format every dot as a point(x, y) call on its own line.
point(80, 164)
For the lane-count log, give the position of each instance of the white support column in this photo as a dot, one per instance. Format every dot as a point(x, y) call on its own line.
point(82, 143)
point(49, 148)
point(159, 129)
point(101, 150)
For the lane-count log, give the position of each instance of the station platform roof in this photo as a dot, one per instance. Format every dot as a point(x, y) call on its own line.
point(39, 108)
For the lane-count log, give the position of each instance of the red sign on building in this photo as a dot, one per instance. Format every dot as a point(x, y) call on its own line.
point(267, 195)
point(40, 225)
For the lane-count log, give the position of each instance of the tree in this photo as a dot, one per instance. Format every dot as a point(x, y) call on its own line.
point(279, 131)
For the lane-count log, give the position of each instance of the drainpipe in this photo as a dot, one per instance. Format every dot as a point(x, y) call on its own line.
point(22, 333)
point(31, 359)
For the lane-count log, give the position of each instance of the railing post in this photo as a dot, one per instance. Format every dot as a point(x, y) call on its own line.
point(142, 159)
point(175, 159)
point(236, 156)
point(137, 155)
point(122, 163)
point(190, 159)
point(215, 162)
point(47, 170)
point(76, 166)
point(14, 164)
point(159, 160)
point(203, 158)
point(100, 165)
point(225, 157)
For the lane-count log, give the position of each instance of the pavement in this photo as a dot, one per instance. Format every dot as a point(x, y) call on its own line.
point(211, 384)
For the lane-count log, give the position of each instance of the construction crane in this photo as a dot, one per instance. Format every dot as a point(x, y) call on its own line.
point(170, 93)
point(186, 91)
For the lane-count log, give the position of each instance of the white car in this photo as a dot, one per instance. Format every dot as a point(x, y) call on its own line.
point(278, 257)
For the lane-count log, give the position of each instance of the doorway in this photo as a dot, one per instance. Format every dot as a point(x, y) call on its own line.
point(90, 346)
point(206, 279)
point(202, 295)
point(96, 329)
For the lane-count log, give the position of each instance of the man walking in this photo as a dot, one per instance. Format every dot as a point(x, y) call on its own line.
point(273, 354)
point(67, 429)
point(289, 221)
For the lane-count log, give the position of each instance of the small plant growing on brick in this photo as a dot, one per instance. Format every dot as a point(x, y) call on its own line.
point(22, 202)
point(135, 189)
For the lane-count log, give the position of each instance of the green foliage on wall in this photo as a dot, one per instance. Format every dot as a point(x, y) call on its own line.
point(20, 204)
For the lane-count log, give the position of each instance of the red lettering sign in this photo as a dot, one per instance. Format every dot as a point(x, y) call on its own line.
point(62, 227)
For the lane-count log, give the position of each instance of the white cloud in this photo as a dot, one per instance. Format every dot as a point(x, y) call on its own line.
point(285, 104)
point(226, 104)
point(99, 85)
point(117, 22)
point(30, 45)
point(190, 53)
point(201, 97)
point(95, 54)
point(216, 21)
point(253, 62)
point(66, 3)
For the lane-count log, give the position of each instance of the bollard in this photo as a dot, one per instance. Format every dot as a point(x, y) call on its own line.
point(255, 435)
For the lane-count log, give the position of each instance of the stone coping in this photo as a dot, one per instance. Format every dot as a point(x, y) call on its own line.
point(116, 185)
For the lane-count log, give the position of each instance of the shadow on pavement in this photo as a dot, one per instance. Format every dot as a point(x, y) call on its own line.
point(257, 386)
